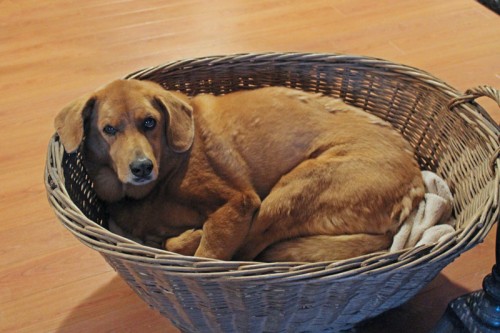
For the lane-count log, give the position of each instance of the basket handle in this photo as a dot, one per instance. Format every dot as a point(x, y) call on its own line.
point(471, 95)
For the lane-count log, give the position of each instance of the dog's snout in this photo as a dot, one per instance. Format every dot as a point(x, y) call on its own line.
point(141, 167)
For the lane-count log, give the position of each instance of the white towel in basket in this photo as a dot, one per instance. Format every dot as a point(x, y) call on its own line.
point(431, 220)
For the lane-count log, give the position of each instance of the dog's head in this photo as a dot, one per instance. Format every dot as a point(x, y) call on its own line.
point(127, 128)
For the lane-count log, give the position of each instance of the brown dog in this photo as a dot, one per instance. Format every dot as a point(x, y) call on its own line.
point(273, 173)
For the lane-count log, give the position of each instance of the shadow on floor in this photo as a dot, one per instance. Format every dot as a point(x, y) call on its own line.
point(115, 308)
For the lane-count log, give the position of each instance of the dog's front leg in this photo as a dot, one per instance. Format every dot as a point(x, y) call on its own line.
point(226, 228)
point(186, 243)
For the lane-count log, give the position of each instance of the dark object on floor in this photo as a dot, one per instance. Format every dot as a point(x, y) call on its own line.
point(494, 5)
point(478, 311)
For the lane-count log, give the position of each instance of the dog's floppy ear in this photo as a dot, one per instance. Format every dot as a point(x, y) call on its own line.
point(70, 121)
point(180, 123)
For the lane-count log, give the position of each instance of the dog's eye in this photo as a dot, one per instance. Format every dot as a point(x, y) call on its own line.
point(110, 130)
point(149, 123)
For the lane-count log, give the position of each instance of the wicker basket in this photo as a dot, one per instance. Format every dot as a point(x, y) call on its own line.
point(452, 136)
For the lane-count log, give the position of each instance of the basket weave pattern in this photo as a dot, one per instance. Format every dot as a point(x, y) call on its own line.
point(459, 143)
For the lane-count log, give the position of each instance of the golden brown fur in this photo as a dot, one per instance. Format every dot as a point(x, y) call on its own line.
point(274, 174)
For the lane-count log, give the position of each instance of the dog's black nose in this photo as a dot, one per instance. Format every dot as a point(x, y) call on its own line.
point(141, 167)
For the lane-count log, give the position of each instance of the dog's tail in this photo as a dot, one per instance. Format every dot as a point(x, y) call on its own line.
point(325, 248)
point(410, 201)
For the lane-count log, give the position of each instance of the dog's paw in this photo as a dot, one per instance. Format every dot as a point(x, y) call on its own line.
point(186, 243)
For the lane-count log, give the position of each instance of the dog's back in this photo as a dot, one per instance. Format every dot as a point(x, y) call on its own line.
point(274, 129)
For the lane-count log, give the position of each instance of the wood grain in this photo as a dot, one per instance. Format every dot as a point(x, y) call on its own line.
point(53, 51)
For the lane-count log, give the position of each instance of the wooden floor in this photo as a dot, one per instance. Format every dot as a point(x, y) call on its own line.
point(53, 51)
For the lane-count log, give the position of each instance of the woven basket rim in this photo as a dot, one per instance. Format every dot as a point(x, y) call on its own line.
point(102, 240)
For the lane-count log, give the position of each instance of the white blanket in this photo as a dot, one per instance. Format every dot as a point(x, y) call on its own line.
point(431, 221)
